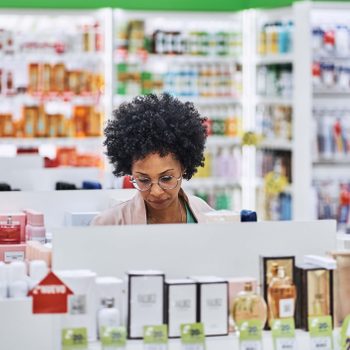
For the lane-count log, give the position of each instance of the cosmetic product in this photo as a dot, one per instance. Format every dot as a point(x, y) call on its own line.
point(281, 295)
point(17, 218)
point(3, 281)
point(35, 229)
point(10, 231)
point(12, 252)
point(37, 271)
point(81, 305)
point(315, 293)
point(321, 261)
point(236, 285)
point(180, 304)
point(145, 301)
point(268, 266)
point(248, 305)
point(341, 290)
point(212, 296)
point(108, 316)
point(109, 290)
point(18, 284)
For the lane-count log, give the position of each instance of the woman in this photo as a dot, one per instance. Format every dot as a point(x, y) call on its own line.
point(158, 141)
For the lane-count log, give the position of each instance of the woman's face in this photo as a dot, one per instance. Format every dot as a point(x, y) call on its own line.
point(154, 167)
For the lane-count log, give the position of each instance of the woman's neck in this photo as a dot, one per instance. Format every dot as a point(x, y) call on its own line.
point(175, 213)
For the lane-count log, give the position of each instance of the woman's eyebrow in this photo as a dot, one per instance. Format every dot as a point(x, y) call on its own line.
point(163, 172)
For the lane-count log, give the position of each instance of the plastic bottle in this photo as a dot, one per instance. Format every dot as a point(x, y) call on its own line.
point(109, 316)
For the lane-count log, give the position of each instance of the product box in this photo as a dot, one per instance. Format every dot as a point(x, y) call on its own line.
point(16, 217)
point(341, 290)
point(267, 264)
point(180, 304)
point(145, 301)
point(12, 252)
point(76, 218)
point(82, 304)
point(235, 286)
point(212, 301)
point(314, 293)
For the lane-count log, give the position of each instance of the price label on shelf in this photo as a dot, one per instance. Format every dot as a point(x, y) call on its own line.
point(113, 338)
point(250, 335)
point(155, 337)
point(345, 334)
point(321, 333)
point(192, 336)
point(283, 334)
point(74, 339)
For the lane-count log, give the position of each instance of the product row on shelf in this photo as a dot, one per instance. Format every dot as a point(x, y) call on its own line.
point(333, 133)
point(331, 39)
point(334, 201)
point(137, 35)
point(221, 304)
point(275, 38)
point(275, 80)
point(190, 80)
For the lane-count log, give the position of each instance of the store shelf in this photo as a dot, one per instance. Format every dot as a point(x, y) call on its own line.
point(118, 99)
point(214, 140)
point(57, 141)
point(66, 57)
point(221, 343)
point(274, 100)
point(334, 161)
point(276, 144)
point(185, 59)
point(198, 182)
point(330, 58)
point(275, 59)
point(331, 91)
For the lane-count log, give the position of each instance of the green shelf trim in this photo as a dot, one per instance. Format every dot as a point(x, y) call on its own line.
point(162, 5)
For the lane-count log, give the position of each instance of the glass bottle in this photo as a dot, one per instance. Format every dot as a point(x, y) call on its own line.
point(249, 306)
point(281, 295)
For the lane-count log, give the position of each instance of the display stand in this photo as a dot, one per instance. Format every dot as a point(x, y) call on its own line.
point(227, 250)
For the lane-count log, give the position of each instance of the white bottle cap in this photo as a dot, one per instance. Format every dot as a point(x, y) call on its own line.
point(17, 271)
point(38, 269)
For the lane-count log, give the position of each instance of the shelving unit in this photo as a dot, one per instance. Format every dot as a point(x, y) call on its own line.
point(271, 112)
point(321, 171)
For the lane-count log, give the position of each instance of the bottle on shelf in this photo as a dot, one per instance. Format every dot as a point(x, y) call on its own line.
point(249, 306)
point(281, 295)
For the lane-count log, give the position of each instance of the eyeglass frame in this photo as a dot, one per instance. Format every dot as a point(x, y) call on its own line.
point(133, 181)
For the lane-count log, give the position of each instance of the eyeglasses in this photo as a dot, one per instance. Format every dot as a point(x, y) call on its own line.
point(167, 182)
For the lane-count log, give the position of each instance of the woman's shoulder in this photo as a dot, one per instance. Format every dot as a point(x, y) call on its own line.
point(199, 204)
point(113, 215)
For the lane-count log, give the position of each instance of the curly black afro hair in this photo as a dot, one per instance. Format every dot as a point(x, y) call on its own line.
point(155, 124)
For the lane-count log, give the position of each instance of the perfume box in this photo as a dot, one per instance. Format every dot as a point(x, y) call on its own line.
point(180, 304)
point(267, 264)
point(314, 293)
point(341, 290)
point(235, 286)
point(145, 290)
point(212, 304)
point(12, 252)
point(17, 217)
